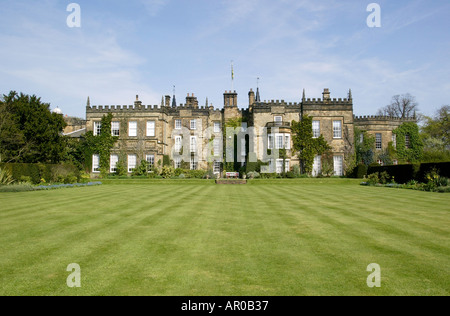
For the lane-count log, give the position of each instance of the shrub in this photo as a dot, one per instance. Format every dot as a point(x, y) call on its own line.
point(5, 177)
point(253, 175)
point(373, 178)
point(167, 172)
point(178, 172)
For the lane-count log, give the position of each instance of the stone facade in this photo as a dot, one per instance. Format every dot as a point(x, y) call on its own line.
point(158, 131)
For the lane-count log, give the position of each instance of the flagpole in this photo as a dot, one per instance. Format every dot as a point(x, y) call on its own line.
point(232, 77)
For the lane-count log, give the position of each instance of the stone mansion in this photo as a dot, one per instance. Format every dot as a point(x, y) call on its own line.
point(192, 136)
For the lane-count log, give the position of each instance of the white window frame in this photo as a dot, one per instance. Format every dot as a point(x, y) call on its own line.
point(150, 160)
point(178, 143)
point(216, 127)
point(278, 120)
point(177, 162)
point(394, 140)
point(115, 128)
point(337, 129)
point(132, 129)
point(338, 164)
point(279, 139)
point(95, 163)
point(131, 163)
point(178, 124)
point(193, 144)
point(317, 166)
point(113, 160)
point(193, 163)
point(193, 124)
point(378, 141)
point(287, 141)
point(151, 128)
point(97, 128)
point(316, 129)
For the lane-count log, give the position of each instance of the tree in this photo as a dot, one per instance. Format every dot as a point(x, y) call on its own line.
point(307, 146)
point(402, 106)
point(29, 132)
point(435, 134)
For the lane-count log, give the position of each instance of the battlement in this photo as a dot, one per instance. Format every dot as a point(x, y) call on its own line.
point(122, 108)
point(334, 101)
point(366, 118)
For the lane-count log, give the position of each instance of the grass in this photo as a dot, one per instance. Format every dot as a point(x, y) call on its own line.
point(269, 237)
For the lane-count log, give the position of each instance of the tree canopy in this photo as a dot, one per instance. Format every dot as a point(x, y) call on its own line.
point(29, 131)
point(402, 106)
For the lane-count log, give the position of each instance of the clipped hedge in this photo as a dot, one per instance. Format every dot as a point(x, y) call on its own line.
point(36, 172)
point(417, 172)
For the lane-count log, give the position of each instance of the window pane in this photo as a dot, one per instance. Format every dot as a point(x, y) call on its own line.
point(115, 128)
point(337, 129)
point(177, 124)
point(178, 141)
point(316, 129)
point(287, 141)
point(114, 159)
point(338, 167)
point(97, 128)
point(132, 129)
point(378, 141)
point(151, 128)
point(131, 163)
point(193, 144)
point(317, 166)
point(193, 124)
point(95, 163)
point(150, 160)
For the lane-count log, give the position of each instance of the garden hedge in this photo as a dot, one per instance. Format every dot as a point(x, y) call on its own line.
point(418, 172)
point(36, 172)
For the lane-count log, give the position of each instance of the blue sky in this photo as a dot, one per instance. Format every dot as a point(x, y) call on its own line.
point(144, 47)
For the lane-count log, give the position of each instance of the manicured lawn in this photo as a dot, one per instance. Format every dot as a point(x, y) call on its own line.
point(277, 237)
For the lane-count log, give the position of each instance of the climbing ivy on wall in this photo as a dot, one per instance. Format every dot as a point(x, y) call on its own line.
point(414, 152)
point(307, 146)
point(101, 144)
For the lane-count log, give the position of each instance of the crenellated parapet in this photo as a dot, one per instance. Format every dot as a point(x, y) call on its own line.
point(367, 118)
point(122, 108)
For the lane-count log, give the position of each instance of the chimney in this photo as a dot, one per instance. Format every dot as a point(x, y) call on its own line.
point(137, 103)
point(251, 97)
point(167, 101)
point(326, 94)
point(191, 101)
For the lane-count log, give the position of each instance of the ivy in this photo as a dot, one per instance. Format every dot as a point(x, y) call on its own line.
point(307, 146)
point(101, 144)
point(364, 150)
point(414, 152)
